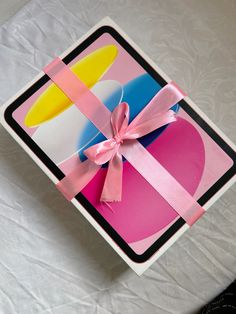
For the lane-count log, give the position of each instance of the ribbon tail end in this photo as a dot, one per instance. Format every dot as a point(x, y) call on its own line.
point(112, 189)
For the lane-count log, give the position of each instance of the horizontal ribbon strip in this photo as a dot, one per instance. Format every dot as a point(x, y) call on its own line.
point(154, 173)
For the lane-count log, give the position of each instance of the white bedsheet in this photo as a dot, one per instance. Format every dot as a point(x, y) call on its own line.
point(51, 259)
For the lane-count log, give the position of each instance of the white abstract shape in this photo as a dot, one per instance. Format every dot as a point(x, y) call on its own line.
point(58, 138)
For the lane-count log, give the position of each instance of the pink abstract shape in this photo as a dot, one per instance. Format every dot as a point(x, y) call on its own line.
point(180, 150)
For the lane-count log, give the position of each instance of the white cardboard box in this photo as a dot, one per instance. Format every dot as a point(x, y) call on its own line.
point(139, 268)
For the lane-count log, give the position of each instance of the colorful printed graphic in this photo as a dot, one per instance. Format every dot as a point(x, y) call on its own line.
point(63, 133)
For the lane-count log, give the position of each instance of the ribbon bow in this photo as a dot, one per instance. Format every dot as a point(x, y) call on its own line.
point(148, 120)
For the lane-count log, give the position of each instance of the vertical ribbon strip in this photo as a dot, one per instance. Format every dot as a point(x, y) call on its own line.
point(154, 173)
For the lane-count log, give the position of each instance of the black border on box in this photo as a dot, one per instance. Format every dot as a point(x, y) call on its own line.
point(81, 199)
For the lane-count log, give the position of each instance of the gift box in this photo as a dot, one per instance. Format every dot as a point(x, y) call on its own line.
point(123, 143)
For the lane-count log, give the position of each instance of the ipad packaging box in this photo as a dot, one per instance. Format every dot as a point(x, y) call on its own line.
point(193, 162)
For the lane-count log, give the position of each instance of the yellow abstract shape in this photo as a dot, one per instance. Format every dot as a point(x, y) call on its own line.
point(53, 101)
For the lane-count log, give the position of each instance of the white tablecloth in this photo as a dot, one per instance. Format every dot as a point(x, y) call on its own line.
point(51, 259)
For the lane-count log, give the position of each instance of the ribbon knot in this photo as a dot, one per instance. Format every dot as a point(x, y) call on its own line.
point(109, 150)
point(118, 139)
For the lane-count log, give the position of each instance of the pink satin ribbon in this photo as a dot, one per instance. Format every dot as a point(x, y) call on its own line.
point(121, 140)
point(109, 150)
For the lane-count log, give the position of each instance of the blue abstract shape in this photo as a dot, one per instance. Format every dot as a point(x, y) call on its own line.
point(137, 93)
